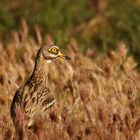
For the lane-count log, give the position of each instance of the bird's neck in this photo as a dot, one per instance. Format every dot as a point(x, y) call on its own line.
point(40, 72)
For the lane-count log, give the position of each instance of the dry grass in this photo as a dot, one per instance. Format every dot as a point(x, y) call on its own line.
point(97, 99)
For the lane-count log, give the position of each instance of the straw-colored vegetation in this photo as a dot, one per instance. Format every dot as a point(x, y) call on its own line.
point(97, 99)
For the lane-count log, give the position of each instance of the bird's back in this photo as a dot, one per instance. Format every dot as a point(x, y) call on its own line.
point(31, 100)
point(15, 103)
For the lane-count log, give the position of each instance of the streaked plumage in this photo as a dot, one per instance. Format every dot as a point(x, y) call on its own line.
point(35, 96)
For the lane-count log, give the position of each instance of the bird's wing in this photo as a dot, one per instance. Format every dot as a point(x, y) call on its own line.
point(16, 110)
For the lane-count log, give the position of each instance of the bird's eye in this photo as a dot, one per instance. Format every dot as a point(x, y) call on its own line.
point(54, 50)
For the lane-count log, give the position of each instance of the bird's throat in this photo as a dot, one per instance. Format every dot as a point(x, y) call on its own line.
point(40, 73)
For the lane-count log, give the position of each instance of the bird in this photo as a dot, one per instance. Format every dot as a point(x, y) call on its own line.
point(35, 96)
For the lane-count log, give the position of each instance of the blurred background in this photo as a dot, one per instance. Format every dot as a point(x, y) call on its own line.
point(97, 24)
point(99, 90)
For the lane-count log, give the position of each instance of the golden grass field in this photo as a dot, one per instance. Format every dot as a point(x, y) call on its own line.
point(97, 98)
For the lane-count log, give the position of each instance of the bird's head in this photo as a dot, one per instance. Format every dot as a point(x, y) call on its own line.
point(52, 53)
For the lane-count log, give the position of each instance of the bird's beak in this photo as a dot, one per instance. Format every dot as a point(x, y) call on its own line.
point(64, 56)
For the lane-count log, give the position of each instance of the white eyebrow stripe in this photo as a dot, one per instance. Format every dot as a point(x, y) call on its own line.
point(54, 47)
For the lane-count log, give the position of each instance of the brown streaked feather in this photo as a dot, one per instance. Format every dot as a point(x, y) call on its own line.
point(34, 96)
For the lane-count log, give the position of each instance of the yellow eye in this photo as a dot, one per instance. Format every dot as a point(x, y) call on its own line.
point(54, 51)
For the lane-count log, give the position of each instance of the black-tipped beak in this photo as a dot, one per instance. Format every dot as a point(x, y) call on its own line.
point(67, 57)
point(64, 56)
